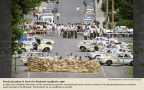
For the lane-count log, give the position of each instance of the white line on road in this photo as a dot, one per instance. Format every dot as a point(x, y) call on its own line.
point(103, 72)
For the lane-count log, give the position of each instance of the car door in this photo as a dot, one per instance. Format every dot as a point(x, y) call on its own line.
point(38, 40)
point(119, 58)
point(127, 58)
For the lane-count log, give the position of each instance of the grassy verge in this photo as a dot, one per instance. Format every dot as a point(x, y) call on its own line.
point(129, 42)
point(129, 70)
point(131, 47)
point(108, 23)
point(28, 20)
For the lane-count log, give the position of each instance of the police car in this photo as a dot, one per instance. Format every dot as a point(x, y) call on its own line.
point(26, 55)
point(39, 47)
point(117, 58)
point(115, 41)
point(90, 46)
point(103, 52)
point(40, 41)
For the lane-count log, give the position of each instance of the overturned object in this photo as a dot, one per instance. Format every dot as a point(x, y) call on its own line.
point(73, 66)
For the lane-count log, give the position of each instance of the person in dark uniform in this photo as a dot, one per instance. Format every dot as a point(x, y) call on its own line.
point(72, 29)
point(69, 36)
point(75, 31)
point(96, 48)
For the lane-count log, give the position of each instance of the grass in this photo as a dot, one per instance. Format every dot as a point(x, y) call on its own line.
point(131, 47)
point(108, 23)
point(129, 42)
point(104, 13)
point(28, 20)
point(129, 70)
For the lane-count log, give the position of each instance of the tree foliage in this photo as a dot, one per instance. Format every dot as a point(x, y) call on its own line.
point(19, 8)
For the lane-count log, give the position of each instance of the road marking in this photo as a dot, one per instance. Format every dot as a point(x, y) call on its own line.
point(103, 72)
point(28, 74)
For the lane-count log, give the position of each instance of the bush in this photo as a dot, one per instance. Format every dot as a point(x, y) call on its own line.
point(128, 23)
point(117, 17)
point(103, 6)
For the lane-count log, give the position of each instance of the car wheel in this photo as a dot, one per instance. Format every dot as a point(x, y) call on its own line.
point(108, 63)
point(101, 63)
point(46, 50)
point(131, 63)
point(83, 49)
point(25, 64)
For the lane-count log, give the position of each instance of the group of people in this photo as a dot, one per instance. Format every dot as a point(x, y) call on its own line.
point(69, 57)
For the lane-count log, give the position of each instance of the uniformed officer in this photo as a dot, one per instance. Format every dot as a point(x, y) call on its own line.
point(30, 51)
point(69, 36)
point(75, 31)
point(65, 31)
point(72, 29)
point(91, 33)
point(56, 57)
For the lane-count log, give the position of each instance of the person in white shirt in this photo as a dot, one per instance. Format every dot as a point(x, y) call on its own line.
point(85, 34)
point(95, 31)
point(44, 8)
point(84, 27)
point(30, 51)
point(104, 31)
point(91, 33)
point(58, 30)
point(65, 31)
point(78, 10)
point(41, 29)
point(40, 9)
point(98, 31)
point(71, 56)
point(55, 28)
point(62, 27)
point(56, 57)
point(48, 29)
point(68, 57)
point(58, 16)
point(47, 55)
point(75, 58)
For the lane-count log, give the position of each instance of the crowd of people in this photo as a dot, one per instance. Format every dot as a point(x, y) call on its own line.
point(69, 57)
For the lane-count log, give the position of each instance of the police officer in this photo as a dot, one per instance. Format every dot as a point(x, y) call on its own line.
point(30, 51)
point(47, 55)
point(91, 33)
point(72, 29)
point(75, 31)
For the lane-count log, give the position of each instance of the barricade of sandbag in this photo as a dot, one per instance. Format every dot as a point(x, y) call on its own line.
point(73, 66)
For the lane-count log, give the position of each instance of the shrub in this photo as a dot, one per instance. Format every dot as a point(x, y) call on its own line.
point(117, 17)
point(103, 6)
point(128, 23)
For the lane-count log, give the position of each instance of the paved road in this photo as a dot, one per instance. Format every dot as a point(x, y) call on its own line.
point(65, 46)
point(68, 12)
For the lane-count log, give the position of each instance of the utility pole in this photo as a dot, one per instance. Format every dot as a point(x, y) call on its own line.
point(112, 14)
point(107, 10)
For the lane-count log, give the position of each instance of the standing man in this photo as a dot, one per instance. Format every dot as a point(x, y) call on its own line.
point(85, 35)
point(78, 9)
point(58, 29)
point(72, 28)
point(58, 16)
point(71, 56)
point(56, 57)
point(98, 31)
point(104, 31)
point(47, 55)
point(96, 48)
point(50, 29)
point(62, 27)
point(75, 31)
point(65, 31)
point(44, 8)
point(75, 58)
point(91, 33)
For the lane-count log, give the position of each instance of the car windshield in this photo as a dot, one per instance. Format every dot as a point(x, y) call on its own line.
point(38, 54)
point(103, 50)
point(114, 51)
point(47, 19)
point(24, 54)
point(88, 18)
point(48, 11)
point(89, 7)
point(47, 14)
point(28, 44)
point(50, 6)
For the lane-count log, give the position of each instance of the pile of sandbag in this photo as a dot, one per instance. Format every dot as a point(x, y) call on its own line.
point(46, 65)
